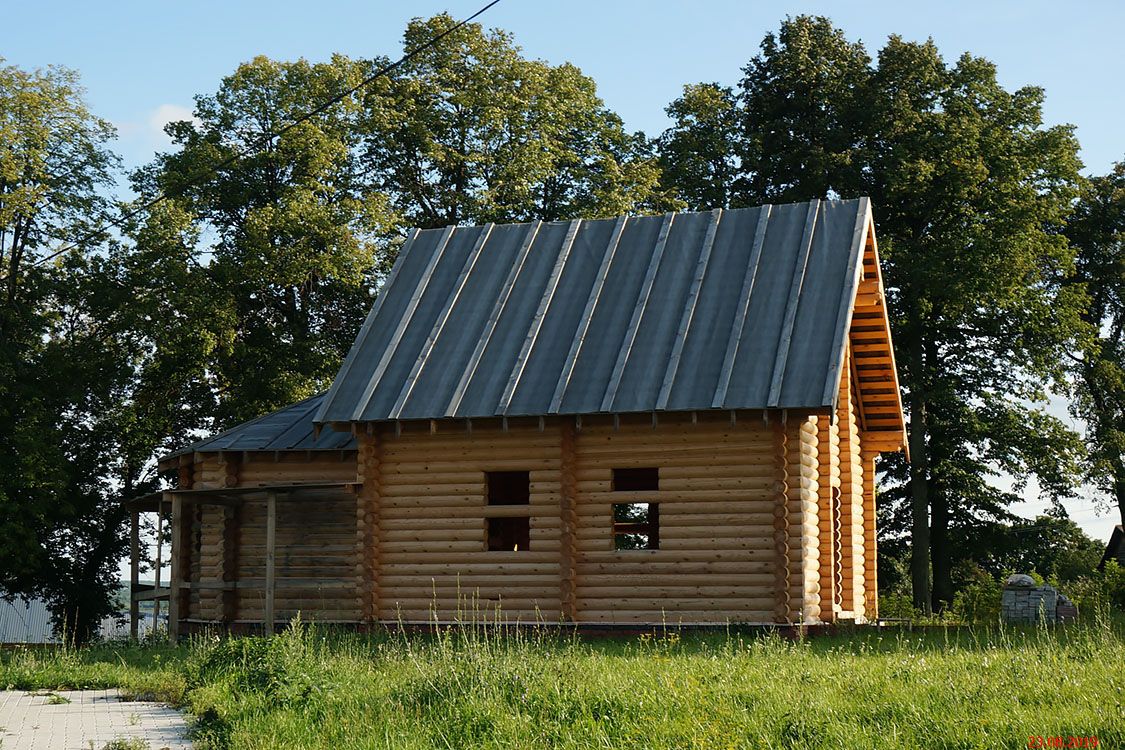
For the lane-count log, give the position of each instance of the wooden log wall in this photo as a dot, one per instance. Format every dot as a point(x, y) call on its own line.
point(853, 540)
point(828, 521)
point(316, 540)
point(737, 497)
point(805, 522)
point(719, 546)
point(433, 561)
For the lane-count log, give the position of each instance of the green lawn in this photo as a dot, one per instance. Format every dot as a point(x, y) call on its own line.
point(865, 689)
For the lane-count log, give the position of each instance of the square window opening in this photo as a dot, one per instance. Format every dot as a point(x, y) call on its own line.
point(509, 534)
point(636, 526)
point(508, 487)
point(636, 480)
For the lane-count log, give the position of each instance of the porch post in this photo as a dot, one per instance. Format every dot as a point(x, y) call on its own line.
point(156, 581)
point(271, 532)
point(134, 571)
point(176, 574)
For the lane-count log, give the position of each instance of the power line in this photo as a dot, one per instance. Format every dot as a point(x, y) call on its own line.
point(262, 140)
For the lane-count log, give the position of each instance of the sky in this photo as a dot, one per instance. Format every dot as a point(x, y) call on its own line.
point(143, 62)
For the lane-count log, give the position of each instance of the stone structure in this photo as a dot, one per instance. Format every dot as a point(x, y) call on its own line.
point(1025, 602)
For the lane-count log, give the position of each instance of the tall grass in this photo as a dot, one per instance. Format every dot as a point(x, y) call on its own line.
point(474, 687)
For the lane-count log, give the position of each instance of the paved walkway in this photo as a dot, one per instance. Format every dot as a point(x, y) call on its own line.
point(91, 719)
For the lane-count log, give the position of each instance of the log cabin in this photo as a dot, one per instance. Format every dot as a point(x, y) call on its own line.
point(617, 422)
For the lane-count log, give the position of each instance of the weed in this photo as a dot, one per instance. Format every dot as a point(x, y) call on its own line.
point(122, 743)
point(312, 687)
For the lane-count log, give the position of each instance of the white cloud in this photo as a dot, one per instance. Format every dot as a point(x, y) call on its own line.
point(140, 137)
point(165, 114)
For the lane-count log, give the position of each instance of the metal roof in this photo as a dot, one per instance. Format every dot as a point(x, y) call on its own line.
point(290, 428)
point(726, 309)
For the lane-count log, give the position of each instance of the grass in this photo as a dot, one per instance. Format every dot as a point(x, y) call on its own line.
point(311, 688)
point(124, 744)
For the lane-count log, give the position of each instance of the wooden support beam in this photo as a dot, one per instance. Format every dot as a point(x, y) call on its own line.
point(153, 594)
point(232, 463)
point(279, 584)
point(828, 460)
point(232, 524)
point(568, 509)
point(271, 554)
point(156, 569)
point(369, 473)
point(883, 442)
point(858, 392)
point(176, 575)
point(134, 572)
point(870, 538)
point(781, 524)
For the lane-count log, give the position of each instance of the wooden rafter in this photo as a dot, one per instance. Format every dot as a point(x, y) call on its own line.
point(871, 358)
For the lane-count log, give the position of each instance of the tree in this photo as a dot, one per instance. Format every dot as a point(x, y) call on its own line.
point(281, 245)
point(801, 109)
point(1097, 230)
point(59, 504)
point(470, 131)
point(241, 290)
point(970, 193)
point(697, 154)
point(292, 238)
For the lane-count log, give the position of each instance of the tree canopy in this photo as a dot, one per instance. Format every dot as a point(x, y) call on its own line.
point(242, 289)
point(971, 193)
point(65, 437)
point(1097, 231)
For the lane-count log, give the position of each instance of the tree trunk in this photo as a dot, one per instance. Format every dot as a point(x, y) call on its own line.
point(920, 503)
point(940, 555)
point(1119, 491)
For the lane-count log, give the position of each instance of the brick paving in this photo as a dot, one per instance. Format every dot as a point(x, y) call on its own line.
point(92, 718)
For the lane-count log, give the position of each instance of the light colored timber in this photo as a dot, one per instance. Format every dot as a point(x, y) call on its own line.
point(569, 503)
point(413, 534)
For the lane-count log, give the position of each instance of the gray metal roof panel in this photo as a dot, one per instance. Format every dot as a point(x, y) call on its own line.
point(651, 349)
point(612, 313)
point(563, 319)
point(615, 315)
point(289, 428)
point(756, 351)
point(714, 320)
point(485, 388)
point(811, 346)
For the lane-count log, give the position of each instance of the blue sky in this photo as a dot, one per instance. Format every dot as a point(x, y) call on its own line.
point(142, 62)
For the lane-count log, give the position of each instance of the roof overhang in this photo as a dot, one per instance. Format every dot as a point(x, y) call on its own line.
point(868, 350)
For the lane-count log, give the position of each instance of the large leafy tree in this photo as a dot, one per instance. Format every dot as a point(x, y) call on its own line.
point(277, 245)
point(241, 288)
point(291, 238)
point(971, 193)
point(1097, 230)
point(471, 131)
point(698, 154)
point(62, 374)
point(801, 110)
